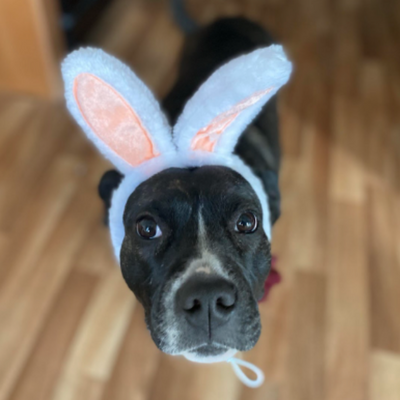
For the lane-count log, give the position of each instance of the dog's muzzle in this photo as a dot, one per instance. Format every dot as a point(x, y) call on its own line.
point(208, 304)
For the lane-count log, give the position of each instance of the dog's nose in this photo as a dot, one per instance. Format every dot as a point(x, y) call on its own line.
point(206, 302)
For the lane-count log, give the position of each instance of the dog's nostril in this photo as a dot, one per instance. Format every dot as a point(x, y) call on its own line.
point(226, 302)
point(192, 305)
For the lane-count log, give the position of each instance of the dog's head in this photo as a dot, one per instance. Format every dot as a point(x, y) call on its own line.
point(196, 256)
point(189, 221)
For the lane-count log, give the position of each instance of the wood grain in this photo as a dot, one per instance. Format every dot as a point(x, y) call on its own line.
point(44, 364)
point(136, 366)
point(347, 316)
point(385, 372)
point(384, 270)
point(305, 363)
point(95, 345)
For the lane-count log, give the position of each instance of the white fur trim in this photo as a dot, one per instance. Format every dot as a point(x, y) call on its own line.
point(132, 89)
point(233, 82)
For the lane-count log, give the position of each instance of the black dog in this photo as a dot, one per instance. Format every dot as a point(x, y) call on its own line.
point(200, 281)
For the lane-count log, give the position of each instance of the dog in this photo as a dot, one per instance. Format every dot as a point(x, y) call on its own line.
point(200, 281)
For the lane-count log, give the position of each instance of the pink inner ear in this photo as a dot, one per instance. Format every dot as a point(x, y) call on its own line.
point(207, 137)
point(112, 119)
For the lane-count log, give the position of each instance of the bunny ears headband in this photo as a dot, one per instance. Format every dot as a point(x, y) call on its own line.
point(122, 118)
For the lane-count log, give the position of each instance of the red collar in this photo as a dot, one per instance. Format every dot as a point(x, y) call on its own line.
point(274, 277)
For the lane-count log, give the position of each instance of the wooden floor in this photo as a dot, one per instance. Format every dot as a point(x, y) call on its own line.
point(69, 327)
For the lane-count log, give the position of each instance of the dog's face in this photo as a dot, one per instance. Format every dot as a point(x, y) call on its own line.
point(196, 256)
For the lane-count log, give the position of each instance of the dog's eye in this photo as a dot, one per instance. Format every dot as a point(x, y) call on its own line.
point(147, 228)
point(247, 223)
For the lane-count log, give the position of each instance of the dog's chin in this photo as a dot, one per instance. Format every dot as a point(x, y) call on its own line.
point(209, 354)
point(209, 350)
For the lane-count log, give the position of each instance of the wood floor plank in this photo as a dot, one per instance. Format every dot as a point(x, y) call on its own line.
point(134, 372)
point(378, 157)
point(38, 377)
point(292, 106)
point(347, 311)
point(48, 203)
point(305, 362)
point(385, 373)
point(396, 220)
point(347, 48)
point(93, 352)
point(97, 255)
point(384, 270)
point(33, 164)
point(308, 179)
point(4, 244)
point(37, 274)
point(347, 178)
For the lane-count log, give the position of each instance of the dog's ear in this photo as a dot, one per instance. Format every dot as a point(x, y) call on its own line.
point(115, 109)
point(227, 102)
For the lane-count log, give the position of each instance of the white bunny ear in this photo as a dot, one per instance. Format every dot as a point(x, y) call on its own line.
point(115, 109)
point(227, 102)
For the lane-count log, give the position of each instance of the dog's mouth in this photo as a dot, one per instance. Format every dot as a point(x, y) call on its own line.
point(208, 350)
point(211, 355)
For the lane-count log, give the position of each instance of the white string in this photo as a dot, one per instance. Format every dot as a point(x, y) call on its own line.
point(253, 383)
point(236, 363)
